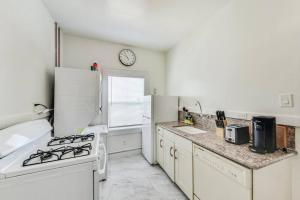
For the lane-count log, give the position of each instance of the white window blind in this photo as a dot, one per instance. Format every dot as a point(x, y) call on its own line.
point(125, 97)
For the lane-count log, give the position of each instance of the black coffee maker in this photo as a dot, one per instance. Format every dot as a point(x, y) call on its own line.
point(263, 134)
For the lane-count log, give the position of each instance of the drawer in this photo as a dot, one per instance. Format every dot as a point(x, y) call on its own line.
point(183, 143)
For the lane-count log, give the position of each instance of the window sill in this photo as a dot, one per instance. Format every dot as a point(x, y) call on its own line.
point(125, 130)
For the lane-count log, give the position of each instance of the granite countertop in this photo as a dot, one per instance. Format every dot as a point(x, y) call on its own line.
point(237, 153)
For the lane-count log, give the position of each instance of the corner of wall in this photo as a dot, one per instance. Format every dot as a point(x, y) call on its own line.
point(295, 168)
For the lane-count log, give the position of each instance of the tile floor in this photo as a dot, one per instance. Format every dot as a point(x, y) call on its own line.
point(132, 178)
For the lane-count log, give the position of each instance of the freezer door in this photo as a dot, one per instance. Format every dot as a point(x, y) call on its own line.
point(165, 108)
point(147, 106)
point(76, 99)
point(77, 82)
point(73, 114)
point(147, 133)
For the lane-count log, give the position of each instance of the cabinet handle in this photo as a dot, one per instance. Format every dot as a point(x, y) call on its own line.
point(175, 154)
point(171, 151)
point(160, 143)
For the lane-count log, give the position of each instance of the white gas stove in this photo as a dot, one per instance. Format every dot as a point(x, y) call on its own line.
point(48, 168)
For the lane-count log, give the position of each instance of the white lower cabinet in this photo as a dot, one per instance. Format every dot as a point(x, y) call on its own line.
point(205, 175)
point(184, 171)
point(274, 181)
point(160, 150)
point(217, 178)
point(184, 165)
point(174, 155)
point(169, 165)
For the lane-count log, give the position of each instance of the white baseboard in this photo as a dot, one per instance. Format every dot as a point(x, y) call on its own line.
point(125, 154)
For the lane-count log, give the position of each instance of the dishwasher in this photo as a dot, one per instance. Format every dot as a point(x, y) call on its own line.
point(217, 178)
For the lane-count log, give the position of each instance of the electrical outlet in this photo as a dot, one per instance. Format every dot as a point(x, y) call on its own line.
point(286, 100)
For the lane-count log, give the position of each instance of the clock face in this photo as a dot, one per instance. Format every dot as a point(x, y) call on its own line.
point(127, 57)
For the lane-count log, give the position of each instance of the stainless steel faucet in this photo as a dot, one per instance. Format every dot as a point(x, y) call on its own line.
point(199, 104)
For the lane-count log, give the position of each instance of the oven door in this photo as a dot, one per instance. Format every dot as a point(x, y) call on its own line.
point(66, 182)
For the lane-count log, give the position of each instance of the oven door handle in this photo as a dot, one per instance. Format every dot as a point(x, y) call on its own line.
point(102, 171)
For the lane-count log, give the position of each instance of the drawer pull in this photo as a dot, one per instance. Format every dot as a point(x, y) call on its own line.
point(160, 143)
point(171, 151)
point(175, 154)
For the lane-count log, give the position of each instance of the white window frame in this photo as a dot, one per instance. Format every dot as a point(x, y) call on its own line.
point(109, 117)
point(119, 73)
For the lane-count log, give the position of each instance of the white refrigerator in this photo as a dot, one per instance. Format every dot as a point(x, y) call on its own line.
point(77, 99)
point(156, 109)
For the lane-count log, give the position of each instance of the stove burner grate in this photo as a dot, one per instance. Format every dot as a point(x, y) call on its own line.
point(62, 153)
point(71, 139)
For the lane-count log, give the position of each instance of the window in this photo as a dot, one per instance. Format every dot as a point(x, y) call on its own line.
point(125, 97)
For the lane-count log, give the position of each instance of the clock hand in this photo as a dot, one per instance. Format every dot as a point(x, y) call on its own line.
point(126, 56)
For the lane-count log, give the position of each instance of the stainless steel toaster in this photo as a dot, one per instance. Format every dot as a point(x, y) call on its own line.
point(237, 134)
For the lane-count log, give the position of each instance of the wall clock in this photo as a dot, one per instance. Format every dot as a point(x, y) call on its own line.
point(127, 57)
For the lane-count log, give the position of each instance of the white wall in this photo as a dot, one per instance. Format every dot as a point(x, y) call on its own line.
point(246, 55)
point(26, 56)
point(119, 141)
point(81, 52)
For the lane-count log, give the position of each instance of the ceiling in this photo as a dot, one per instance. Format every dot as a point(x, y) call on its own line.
point(155, 24)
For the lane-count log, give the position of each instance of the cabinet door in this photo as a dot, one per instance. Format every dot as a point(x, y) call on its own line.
point(169, 158)
point(197, 174)
point(184, 170)
point(265, 178)
point(160, 150)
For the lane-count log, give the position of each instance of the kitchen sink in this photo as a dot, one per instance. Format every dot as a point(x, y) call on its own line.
point(190, 129)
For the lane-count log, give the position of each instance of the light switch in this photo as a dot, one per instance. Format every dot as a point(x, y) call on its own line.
point(286, 100)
